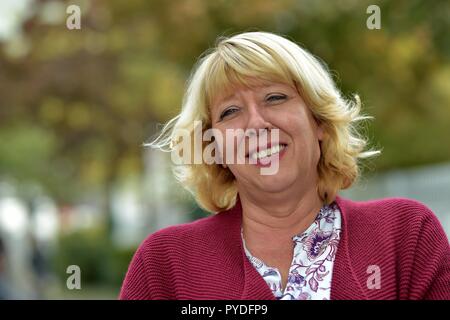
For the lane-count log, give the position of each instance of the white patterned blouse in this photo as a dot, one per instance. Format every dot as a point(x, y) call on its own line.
point(312, 264)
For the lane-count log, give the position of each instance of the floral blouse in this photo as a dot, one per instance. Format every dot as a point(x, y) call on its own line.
point(312, 263)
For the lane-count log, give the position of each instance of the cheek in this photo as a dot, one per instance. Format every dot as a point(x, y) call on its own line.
point(301, 133)
point(299, 122)
point(225, 146)
point(219, 141)
point(288, 118)
point(292, 125)
point(228, 140)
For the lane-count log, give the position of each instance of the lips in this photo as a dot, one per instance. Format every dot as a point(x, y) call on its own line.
point(266, 158)
point(266, 148)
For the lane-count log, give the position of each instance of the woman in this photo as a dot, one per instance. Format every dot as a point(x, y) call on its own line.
point(286, 234)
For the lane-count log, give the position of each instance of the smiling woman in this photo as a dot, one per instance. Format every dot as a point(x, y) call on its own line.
point(285, 235)
point(268, 63)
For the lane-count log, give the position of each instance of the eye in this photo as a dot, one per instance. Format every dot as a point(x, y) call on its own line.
point(276, 97)
point(227, 112)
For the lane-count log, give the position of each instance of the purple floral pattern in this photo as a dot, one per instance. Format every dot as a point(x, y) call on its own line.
point(312, 264)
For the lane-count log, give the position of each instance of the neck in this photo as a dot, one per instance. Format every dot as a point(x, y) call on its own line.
point(274, 223)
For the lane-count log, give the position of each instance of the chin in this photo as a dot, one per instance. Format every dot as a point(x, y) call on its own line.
point(275, 183)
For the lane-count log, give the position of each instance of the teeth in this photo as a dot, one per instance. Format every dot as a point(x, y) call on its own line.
point(267, 152)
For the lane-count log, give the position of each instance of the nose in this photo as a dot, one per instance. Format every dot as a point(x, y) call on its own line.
point(256, 118)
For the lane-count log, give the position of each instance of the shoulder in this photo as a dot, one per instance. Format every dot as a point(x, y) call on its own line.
point(402, 220)
point(161, 256)
point(404, 238)
point(388, 211)
point(187, 235)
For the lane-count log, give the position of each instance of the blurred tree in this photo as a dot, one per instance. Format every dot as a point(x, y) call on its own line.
point(88, 98)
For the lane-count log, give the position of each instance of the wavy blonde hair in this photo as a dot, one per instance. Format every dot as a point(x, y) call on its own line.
point(266, 56)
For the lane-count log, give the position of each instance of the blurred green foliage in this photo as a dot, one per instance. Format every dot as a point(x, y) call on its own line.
point(101, 262)
point(76, 105)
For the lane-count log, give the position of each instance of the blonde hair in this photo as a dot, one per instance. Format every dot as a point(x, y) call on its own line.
point(266, 56)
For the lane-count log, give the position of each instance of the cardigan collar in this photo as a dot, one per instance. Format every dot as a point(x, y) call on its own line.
point(343, 274)
point(344, 282)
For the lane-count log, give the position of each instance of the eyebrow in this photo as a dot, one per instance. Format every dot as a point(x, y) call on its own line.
point(230, 96)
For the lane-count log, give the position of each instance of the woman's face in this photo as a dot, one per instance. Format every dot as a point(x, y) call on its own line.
point(269, 105)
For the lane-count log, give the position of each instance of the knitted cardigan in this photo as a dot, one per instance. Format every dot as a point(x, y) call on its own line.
point(204, 259)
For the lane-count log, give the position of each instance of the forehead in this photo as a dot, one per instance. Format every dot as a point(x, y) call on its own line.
point(229, 92)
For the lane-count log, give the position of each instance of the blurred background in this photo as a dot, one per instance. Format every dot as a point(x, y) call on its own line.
point(78, 188)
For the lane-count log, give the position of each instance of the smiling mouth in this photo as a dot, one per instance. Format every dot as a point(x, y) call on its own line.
point(267, 153)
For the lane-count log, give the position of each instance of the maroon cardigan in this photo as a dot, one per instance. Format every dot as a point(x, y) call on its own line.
point(205, 259)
